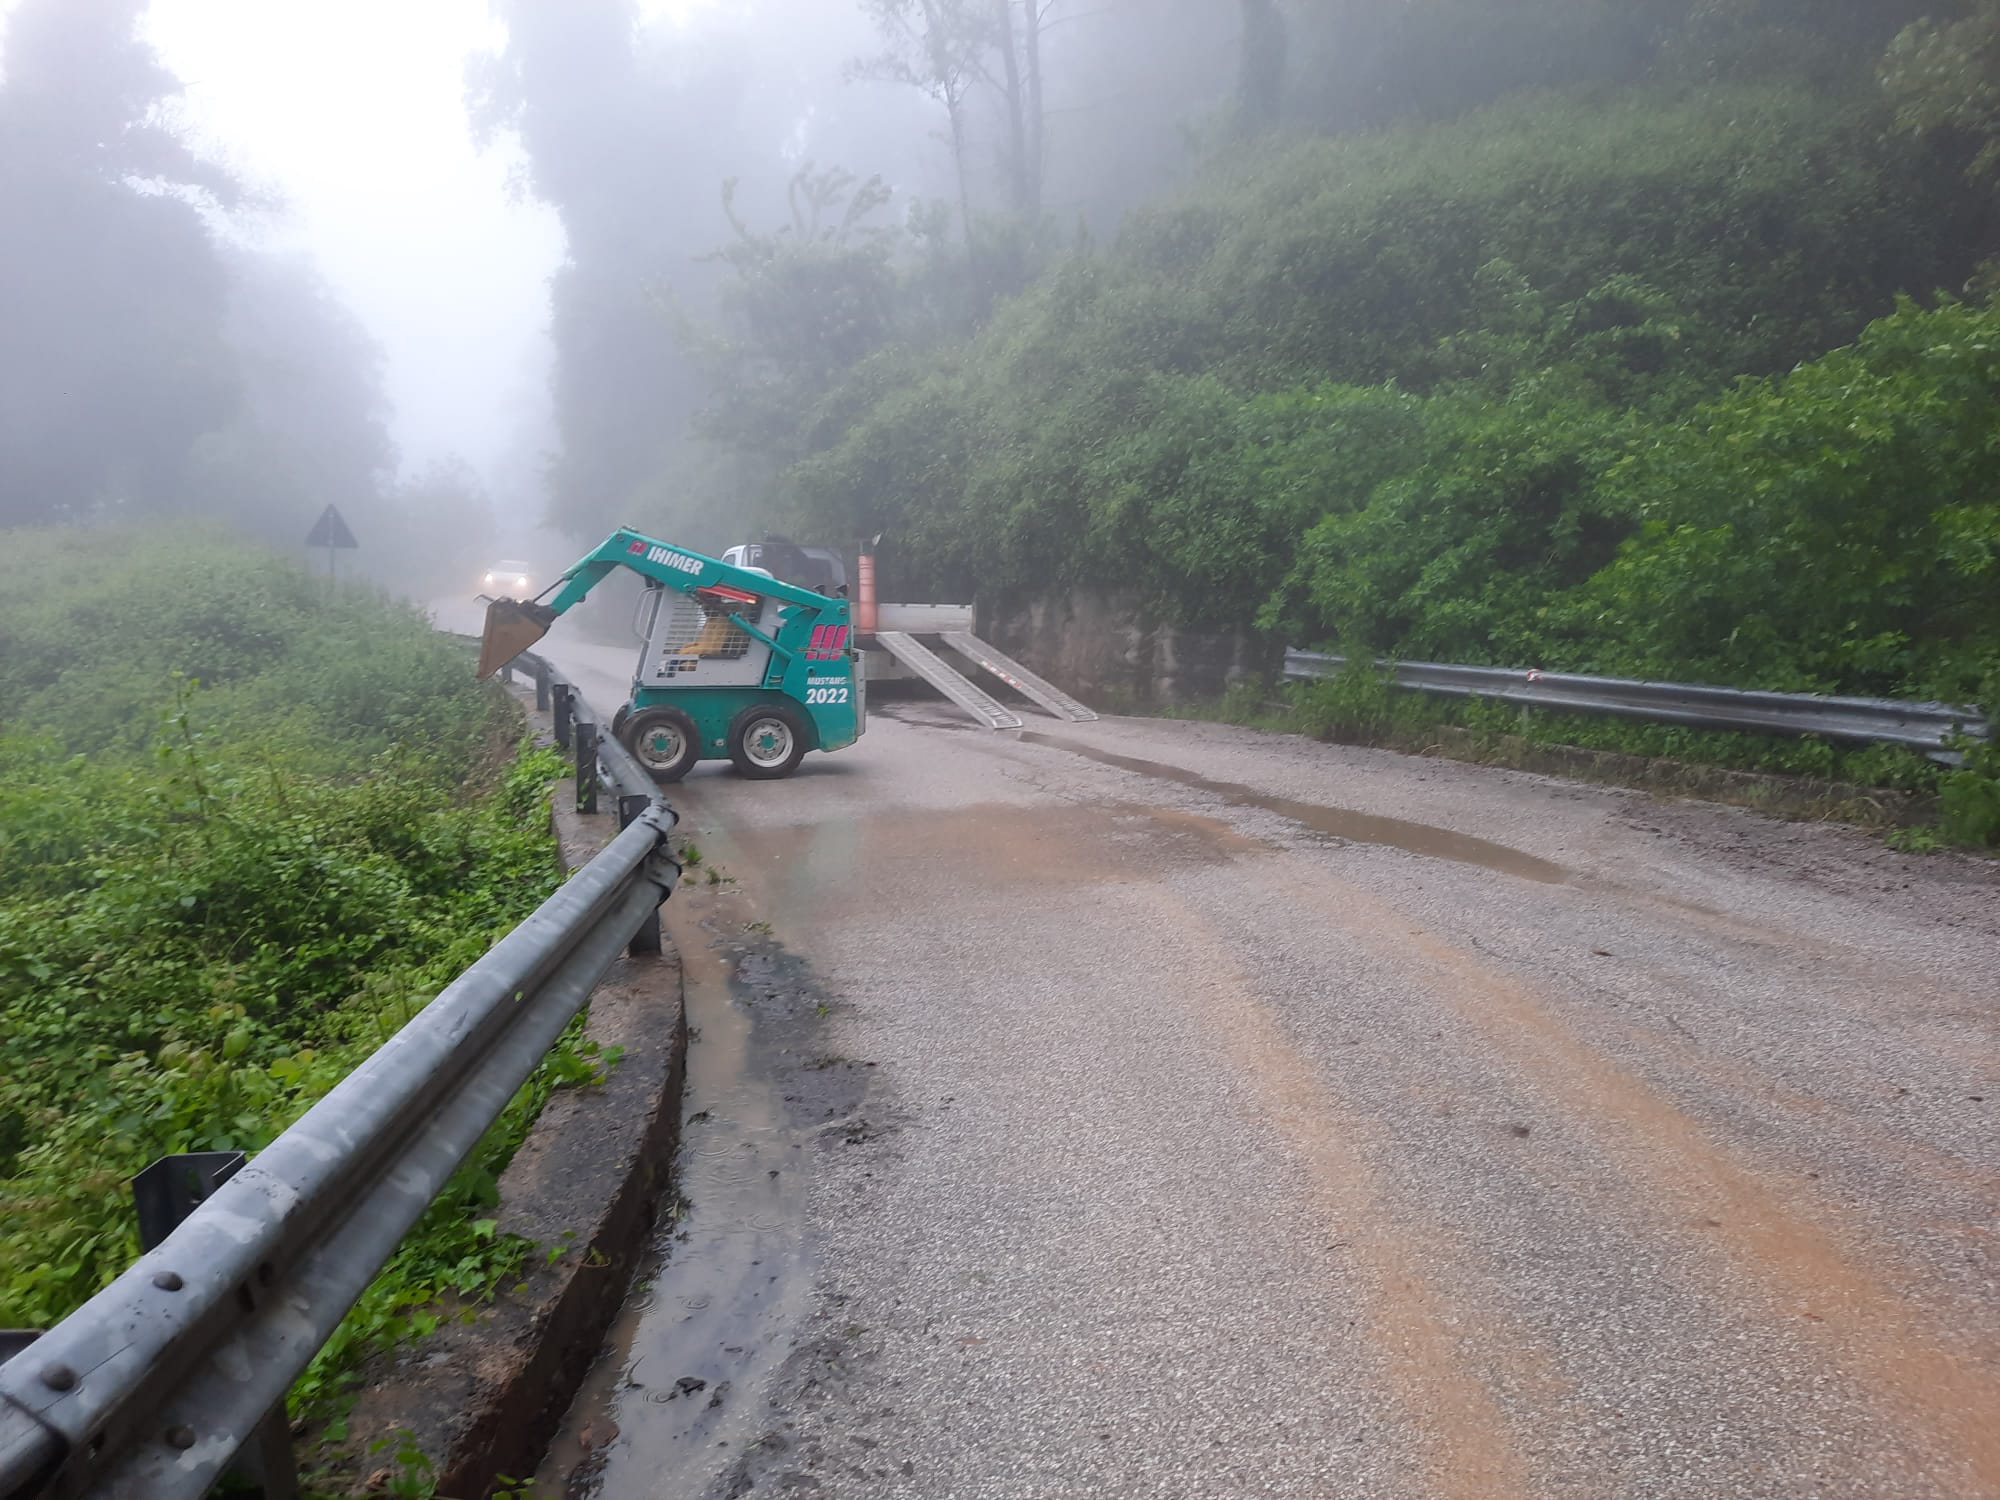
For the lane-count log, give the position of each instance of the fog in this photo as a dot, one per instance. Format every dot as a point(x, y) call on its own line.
point(413, 226)
point(416, 176)
point(498, 274)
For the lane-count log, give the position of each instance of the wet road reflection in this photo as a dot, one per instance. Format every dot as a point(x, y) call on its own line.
point(728, 1272)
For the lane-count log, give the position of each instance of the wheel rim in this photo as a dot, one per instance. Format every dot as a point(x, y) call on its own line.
point(767, 743)
point(660, 747)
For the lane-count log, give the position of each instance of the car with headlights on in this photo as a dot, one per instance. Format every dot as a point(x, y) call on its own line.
point(510, 577)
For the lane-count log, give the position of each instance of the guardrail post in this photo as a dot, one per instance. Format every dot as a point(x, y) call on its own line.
point(586, 766)
point(163, 1195)
point(541, 685)
point(559, 698)
point(646, 942)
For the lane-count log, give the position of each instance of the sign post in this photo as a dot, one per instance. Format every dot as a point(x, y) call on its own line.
point(330, 532)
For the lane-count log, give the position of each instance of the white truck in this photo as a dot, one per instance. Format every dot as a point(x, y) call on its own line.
point(889, 634)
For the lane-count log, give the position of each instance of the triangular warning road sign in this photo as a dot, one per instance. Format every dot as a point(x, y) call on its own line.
point(330, 531)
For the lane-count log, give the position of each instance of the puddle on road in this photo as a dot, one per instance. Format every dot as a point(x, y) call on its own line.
point(1340, 822)
point(672, 1398)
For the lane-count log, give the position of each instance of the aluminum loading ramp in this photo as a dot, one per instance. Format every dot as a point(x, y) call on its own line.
point(1018, 677)
point(928, 665)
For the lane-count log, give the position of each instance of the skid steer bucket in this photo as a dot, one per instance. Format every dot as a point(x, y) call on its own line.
point(511, 628)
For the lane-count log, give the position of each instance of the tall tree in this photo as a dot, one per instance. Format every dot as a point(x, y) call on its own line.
point(567, 85)
point(807, 303)
point(977, 59)
point(933, 46)
point(312, 428)
point(112, 295)
point(1260, 83)
point(1944, 77)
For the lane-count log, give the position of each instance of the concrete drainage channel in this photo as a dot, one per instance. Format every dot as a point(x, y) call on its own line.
point(672, 1198)
point(672, 1406)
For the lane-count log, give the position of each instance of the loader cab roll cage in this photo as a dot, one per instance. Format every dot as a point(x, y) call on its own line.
point(818, 568)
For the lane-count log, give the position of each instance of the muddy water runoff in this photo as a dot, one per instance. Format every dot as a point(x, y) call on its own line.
point(665, 1409)
point(1337, 822)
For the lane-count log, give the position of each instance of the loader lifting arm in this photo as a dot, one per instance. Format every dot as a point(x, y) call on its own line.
point(512, 626)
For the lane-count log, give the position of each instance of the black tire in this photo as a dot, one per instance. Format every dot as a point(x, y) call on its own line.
point(663, 740)
point(768, 740)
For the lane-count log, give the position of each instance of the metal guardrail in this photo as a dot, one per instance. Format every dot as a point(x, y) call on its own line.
point(1930, 727)
point(151, 1388)
point(558, 697)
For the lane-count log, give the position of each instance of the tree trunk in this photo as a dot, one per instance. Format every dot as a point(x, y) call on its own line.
point(1017, 130)
point(947, 75)
point(955, 113)
point(1032, 56)
point(1260, 82)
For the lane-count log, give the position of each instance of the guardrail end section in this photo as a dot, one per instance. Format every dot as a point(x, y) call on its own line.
point(661, 864)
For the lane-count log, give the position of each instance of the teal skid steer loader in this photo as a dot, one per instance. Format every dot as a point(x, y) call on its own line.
point(736, 662)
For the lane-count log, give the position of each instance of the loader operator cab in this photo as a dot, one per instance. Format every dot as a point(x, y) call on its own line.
point(820, 569)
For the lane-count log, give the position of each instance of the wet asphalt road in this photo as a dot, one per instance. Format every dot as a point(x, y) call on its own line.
point(1246, 1116)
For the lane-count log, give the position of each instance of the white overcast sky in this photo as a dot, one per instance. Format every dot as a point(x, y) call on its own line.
point(353, 112)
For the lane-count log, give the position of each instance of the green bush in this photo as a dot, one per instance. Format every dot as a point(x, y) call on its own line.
point(1547, 384)
point(216, 899)
point(1455, 557)
point(1837, 529)
point(1832, 530)
point(1171, 417)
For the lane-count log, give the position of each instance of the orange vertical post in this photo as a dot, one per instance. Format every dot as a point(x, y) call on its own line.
point(864, 581)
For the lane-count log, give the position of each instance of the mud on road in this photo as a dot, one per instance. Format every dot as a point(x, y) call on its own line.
point(1247, 1116)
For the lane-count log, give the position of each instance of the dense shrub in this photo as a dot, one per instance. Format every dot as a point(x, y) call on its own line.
point(1550, 383)
point(1637, 249)
point(1835, 529)
point(216, 899)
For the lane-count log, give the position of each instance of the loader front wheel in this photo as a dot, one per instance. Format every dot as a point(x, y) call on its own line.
point(663, 740)
point(767, 741)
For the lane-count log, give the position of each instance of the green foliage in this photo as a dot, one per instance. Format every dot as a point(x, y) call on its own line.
point(808, 302)
point(1944, 78)
point(238, 893)
point(1478, 392)
point(1359, 704)
point(1455, 557)
point(91, 640)
point(1834, 530)
point(1352, 257)
point(1365, 66)
point(1176, 414)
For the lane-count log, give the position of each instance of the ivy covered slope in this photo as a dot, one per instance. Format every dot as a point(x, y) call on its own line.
point(1699, 382)
point(248, 827)
point(1427, 348)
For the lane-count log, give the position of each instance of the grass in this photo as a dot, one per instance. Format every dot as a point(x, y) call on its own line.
point(249, 826)
point(1886, 787)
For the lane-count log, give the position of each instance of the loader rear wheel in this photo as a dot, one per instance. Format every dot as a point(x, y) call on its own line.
point(663, 740)
point(768, 740)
